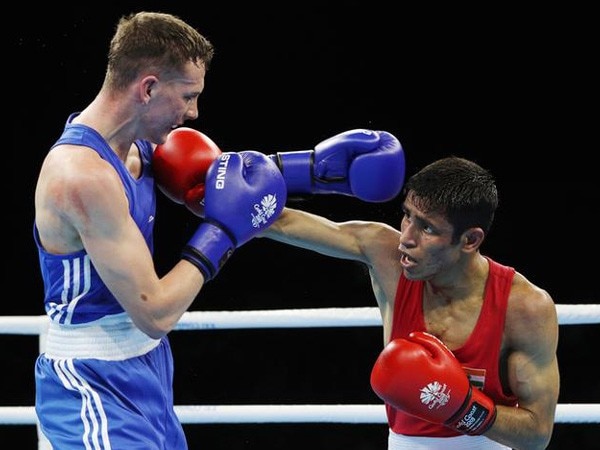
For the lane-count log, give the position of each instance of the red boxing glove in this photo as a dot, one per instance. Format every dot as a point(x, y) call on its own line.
point(180, 166)
point(421, 376)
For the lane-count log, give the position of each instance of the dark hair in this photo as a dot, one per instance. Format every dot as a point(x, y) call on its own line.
point(154, 40)
point(459, 189)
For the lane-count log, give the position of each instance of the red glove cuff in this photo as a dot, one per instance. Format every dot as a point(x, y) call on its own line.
point(476, 416)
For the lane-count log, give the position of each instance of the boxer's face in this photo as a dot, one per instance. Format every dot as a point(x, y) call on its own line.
point(172, 99)
point(426, 245)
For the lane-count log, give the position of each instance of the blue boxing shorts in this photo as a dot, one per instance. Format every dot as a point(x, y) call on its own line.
point(104, 390)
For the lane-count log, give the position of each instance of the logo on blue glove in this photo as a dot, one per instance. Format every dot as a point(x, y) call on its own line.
point(221, 171)
point(264, 211)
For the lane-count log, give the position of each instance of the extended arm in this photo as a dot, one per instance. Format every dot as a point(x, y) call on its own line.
point(362, 163)
point(317, 233)
point(354, 240)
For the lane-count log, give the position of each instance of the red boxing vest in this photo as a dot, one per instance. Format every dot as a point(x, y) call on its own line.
point(479, 356)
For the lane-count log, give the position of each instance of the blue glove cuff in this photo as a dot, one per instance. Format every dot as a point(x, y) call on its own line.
point(209, 249)
point(296, 168)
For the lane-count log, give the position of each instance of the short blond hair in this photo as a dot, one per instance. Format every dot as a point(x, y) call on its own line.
point(160, 41)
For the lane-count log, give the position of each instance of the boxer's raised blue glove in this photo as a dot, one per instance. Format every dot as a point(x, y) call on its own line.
point(362, 163)
point(244, 194)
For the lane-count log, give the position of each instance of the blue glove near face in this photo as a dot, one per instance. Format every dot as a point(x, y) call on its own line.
point(245, 193)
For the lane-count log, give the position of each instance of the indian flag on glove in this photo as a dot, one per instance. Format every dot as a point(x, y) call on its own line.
point(476, 376)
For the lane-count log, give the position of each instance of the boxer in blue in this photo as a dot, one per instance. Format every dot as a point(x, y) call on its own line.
point(105, 378)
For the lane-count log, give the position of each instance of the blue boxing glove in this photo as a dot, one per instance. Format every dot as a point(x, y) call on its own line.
point(361, 163)
point(244, 194)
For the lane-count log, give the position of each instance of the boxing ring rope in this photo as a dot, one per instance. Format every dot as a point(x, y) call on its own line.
point(289, 318)
point(286, 318)
point(346, 413)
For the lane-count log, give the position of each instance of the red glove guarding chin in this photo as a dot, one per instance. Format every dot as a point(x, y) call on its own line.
point(420, 376)
point(180, 166)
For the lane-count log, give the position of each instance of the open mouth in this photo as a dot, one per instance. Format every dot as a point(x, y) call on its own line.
point(407, 261)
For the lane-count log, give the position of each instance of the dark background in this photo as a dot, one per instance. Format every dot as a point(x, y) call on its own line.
point(513, 89)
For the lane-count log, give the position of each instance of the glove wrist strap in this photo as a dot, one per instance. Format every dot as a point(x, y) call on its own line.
point(209, 249)
point(297, 169)
point(476, 415)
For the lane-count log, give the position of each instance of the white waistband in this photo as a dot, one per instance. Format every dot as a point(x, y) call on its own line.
point(402, 442)
point(113, 338)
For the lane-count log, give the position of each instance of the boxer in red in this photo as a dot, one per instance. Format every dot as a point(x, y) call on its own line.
point(469, 358)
